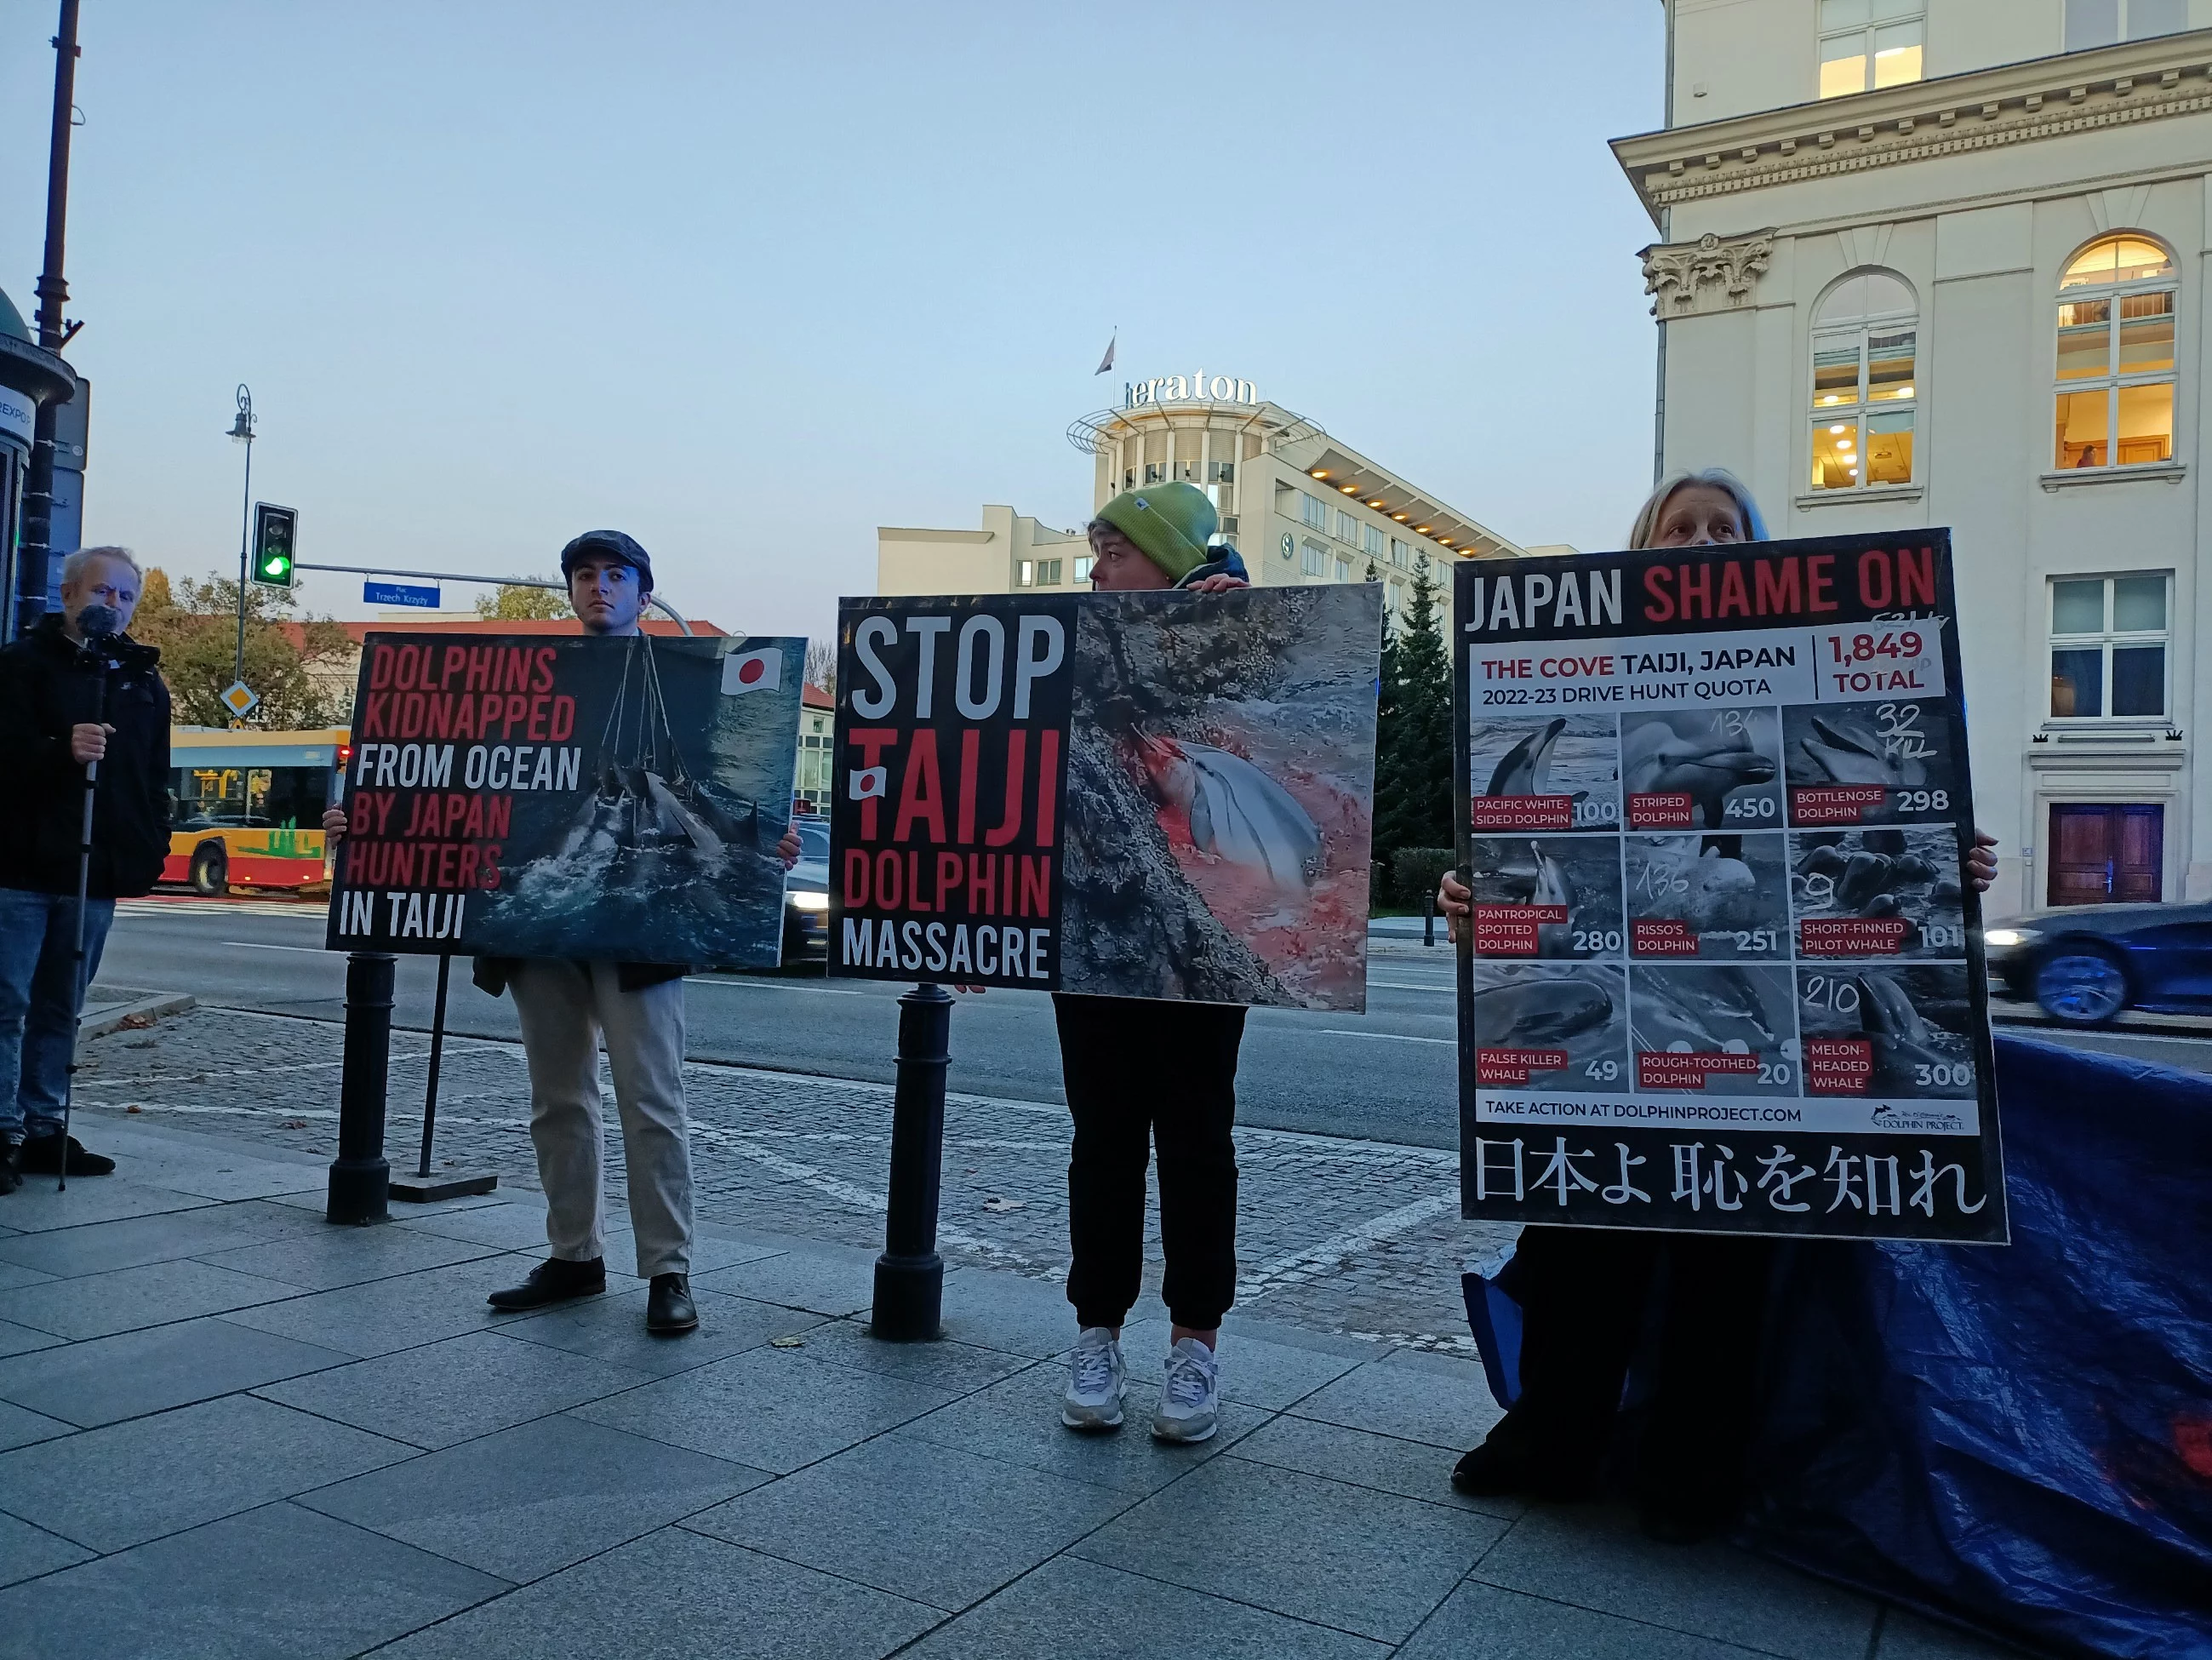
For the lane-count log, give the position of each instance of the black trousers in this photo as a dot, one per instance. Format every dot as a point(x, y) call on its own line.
point(1140, 1070)
point(1583, 1294)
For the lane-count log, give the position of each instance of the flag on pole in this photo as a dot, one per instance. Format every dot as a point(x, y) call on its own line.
point(1107, 361)
point(752, 670)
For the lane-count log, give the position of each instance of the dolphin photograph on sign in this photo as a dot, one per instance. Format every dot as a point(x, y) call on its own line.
point(612, 799)
point(1139, 794)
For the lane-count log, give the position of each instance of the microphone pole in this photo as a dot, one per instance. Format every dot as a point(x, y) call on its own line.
point(97, 624)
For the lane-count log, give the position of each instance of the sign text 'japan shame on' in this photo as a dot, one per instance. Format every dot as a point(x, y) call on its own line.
point(1724, 967)
point(1157, 794)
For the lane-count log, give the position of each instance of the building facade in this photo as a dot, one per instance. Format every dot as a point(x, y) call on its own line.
point(1942, 263)
point(1298, 505)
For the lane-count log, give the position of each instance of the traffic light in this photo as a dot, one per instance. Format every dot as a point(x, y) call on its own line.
point(275, 535)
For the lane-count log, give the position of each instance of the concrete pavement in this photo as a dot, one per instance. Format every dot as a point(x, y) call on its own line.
point(238, 1430)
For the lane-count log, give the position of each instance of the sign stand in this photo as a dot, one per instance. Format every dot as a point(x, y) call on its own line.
point(422, 1188)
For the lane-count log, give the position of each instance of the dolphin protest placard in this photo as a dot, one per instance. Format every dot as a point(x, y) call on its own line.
point(1154, 795)
point(1723, 971)
point(615, 799)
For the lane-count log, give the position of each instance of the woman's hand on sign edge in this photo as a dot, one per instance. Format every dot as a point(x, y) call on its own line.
point(1455, 899)
point(1982, 861)
point(1221, 582)
point(788, 849)
point(334, 823)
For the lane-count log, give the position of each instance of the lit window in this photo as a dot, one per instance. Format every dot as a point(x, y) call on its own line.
point(2114, 401)
point(2108, 640)
point(1313, 511)
point(1866, 43)
point(1313, 558)
point(1083, 567)
point(2091, 23)
point(1025, 574)
point(1865, 383)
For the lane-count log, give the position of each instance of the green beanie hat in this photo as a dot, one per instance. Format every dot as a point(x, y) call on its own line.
point(1169, 523)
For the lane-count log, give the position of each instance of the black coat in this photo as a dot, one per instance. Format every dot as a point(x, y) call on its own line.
point(45, 690)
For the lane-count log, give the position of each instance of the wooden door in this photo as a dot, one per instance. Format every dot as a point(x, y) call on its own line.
point(2101, 854)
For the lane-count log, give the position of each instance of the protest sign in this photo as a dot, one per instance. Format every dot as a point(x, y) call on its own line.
point(1144, 794)
point(593, 798)
point(1725, 969)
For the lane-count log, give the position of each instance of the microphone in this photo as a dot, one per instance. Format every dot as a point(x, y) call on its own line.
point(99, 623)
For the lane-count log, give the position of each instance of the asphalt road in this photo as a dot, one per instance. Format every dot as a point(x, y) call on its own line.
point(1386, 1075)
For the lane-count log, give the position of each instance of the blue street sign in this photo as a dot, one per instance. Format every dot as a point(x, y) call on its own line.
point(399, 594)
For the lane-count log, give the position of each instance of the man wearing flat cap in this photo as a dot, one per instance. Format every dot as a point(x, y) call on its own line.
point(568, 1009)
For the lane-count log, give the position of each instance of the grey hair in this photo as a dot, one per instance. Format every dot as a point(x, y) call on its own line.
point(1720, 478)
point(74, 566)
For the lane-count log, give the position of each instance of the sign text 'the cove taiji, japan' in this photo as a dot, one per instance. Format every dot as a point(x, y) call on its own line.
point(1725, 967)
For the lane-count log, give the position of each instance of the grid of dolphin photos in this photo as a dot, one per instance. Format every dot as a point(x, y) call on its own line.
point(1650, 908)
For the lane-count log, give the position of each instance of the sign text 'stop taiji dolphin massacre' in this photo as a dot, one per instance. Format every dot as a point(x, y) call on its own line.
point(1725, 969)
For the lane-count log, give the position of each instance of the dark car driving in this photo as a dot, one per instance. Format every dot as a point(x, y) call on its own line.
point(2084, 963)
point(806, 894)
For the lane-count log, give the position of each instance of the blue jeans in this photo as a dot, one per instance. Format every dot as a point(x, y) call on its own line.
point(38, 1002)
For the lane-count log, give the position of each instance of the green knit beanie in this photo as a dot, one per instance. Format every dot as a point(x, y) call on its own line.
point(1170, 523)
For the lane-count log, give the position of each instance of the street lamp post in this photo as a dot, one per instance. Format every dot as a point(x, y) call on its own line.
point(242, 431)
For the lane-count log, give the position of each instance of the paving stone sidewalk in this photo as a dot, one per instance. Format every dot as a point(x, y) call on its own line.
point(1350, 1238)
point(235, 1430)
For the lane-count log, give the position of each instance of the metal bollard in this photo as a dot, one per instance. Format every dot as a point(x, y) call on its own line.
point(1429, 918)
point(359, 1178)
point(910, 1274)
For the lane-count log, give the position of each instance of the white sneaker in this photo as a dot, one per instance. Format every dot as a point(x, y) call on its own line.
point(1096, 1382)
point(1190, 1395)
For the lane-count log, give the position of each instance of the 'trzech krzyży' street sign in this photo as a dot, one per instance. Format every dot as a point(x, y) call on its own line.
point(399, 594)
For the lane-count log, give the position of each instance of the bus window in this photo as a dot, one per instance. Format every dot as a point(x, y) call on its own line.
point(294, 797)
point(209, 796)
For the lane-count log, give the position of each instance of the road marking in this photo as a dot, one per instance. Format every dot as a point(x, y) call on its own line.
point(771, 985)
point(1383, 1037)
point(255, 945)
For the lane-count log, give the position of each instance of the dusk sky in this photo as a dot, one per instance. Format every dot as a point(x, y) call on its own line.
point(749, 281)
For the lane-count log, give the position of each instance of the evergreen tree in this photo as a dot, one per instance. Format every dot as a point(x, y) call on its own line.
point(1412, 760)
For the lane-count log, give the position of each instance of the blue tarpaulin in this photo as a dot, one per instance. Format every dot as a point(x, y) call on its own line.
point(2018, 1437)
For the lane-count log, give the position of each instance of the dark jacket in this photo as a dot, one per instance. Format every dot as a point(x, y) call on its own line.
point(1227, 562)
point(46, 688)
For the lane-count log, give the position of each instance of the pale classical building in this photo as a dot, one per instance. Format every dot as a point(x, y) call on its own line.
point(1942, 262)
point(1299, 505)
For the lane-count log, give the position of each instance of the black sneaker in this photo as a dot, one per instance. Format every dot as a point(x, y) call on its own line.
point(11, 1166)
point(668, 1308)
point(42, 1156)
point(554, 1281)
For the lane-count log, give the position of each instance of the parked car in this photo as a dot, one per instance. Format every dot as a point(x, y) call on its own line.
point(806, 894)
point(2084, 963)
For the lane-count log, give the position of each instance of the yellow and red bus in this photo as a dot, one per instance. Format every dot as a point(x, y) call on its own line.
point(245, 808)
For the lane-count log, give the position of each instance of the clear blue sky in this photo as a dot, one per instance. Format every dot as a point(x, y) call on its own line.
point(750, 280)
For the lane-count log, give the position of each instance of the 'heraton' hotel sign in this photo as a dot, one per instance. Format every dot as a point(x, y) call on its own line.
point(1178, 389)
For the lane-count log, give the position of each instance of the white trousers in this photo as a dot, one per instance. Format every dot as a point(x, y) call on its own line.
point(566, 1009)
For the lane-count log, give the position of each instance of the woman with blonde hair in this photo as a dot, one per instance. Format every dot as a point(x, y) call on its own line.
point(1585, 1292)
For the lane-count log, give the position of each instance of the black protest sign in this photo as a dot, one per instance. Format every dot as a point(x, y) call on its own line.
point(1724, 970)
point(1159, 794)
point(617, 798)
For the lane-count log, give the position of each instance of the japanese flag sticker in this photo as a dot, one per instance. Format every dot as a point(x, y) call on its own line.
point(752, 670)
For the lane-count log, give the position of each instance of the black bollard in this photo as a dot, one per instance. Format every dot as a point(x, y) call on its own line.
point(910, 1274)
point(359, 1178)
point(1429, 918)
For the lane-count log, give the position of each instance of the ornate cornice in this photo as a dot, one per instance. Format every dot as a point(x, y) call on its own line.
point(2013, 104)
point(1714, 273)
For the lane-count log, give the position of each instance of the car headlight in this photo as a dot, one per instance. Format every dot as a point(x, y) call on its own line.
point(810, 901)
point(2009, 936)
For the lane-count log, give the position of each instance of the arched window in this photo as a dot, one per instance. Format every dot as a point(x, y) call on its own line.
point(1865, 386)
point(2115, 358)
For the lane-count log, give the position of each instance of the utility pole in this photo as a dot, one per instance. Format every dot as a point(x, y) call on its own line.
point(33, 578)
point(242, 430)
